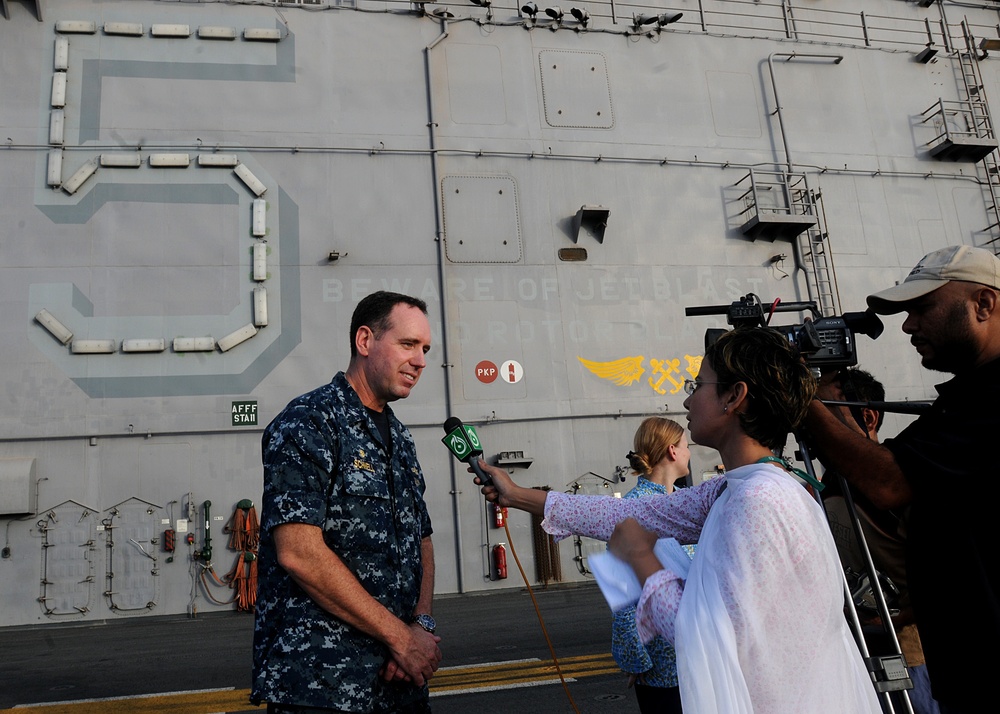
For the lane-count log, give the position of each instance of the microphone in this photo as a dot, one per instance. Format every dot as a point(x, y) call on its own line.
point(463, 442)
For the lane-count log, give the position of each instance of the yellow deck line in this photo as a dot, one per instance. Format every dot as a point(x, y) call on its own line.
point(447, 681)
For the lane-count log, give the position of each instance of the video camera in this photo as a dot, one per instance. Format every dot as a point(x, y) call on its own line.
point(822, 341)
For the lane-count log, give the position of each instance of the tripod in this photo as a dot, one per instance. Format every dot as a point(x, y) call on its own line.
point(889, 672)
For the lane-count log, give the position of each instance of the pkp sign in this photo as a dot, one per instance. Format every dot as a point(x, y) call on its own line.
point(486, 371)
point(510, 372)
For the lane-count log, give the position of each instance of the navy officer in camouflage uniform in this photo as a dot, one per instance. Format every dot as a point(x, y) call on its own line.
point(346, 562)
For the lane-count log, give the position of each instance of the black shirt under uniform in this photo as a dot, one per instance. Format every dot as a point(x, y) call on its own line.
point(949, 457)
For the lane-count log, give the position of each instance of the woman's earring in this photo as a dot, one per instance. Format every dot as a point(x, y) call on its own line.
point(725, 409)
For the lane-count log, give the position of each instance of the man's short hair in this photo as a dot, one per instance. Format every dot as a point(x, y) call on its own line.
point(373, 312)
point(861, 386)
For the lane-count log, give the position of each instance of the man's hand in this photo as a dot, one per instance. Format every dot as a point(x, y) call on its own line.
point(829, 386)
point(416, 660)
point(830, 389)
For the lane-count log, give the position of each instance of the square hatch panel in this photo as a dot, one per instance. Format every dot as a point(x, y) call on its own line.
point(576, 92)
point(481, 222)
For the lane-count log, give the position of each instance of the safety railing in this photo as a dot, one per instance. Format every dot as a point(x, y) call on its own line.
point(797, 20)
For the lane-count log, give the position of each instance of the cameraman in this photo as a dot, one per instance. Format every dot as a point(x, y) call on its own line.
point(884, 532)
point(941, 466)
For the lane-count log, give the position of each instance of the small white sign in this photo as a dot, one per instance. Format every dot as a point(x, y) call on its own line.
point(511, 372)
point(182, 525)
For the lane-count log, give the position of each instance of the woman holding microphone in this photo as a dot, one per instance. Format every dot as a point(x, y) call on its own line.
point(758, 625)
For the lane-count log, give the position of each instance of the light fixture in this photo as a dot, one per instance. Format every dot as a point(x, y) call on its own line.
point(144, 344)
point(488, 4)
point(92, 347)
point(77, 179)
point(668, 18)
point(209, 32)
point(194, 344)
point(925, 3)
point(262, 34)
point(421, 6)
point(555, 13)
point(57, 126)
point(252, 182)
point(61, 58)
point(122, 160)
point(54, 174)
point(259, 217)
point(260, 306)
point(170, 160)
point(225, 160)
point(58, 98)
point(530, 9)
point(77, 27)
point(167, 30)
point(260, 261)
point(132, 29)
point(55, 328)
point(581, 15)
point(638, 20)
point(926, 54)
point(442, 13)
point(237, 337)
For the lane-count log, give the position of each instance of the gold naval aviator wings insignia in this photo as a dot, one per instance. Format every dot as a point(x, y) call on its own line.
point(623, 372)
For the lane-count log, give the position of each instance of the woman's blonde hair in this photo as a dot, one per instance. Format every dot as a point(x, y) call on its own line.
point(653, 439)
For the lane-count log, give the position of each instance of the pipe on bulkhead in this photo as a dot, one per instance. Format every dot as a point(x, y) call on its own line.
point(442, 289)
point(789, 56)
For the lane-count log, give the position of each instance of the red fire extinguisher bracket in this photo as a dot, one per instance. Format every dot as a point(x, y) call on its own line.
point(500, 561)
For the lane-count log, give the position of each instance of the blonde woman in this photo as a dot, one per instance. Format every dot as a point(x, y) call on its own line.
point(660, 457)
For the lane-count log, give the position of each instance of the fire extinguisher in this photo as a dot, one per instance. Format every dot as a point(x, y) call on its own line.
point(500, 560)
point(499, 515)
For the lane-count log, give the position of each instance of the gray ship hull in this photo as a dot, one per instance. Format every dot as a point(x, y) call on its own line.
point(197, 194)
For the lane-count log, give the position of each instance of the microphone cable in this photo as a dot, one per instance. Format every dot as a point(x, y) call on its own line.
point(541, 620)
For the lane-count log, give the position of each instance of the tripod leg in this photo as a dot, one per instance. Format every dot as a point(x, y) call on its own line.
point(888, 672)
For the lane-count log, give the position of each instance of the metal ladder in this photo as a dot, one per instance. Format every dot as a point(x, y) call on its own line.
point(982, 125)
point(813, 248)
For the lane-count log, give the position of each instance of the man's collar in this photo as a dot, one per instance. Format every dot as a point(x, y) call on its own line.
point(963, 381)
point(352, 402)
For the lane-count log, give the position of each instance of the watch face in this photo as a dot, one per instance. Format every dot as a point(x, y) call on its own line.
point(426, 621)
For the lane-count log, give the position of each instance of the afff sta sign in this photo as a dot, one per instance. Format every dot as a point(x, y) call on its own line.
point(244, 413)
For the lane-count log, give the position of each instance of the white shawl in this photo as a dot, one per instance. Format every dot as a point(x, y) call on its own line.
point(761, 626)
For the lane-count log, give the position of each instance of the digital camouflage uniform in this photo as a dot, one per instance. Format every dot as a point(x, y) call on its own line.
point(325, 465)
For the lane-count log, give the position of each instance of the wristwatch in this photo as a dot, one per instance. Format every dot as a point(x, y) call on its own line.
point(425, 621)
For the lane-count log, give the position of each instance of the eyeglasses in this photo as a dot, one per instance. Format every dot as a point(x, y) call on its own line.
point(690, 385)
